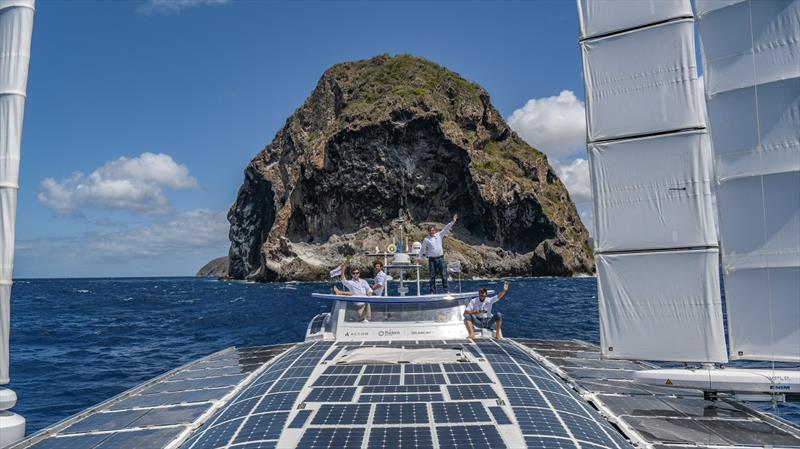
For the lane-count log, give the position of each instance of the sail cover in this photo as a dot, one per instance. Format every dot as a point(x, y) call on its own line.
point(16, 23)
point(751, 58)
point(651, 168)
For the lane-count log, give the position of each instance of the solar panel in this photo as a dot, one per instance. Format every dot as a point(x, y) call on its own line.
point(468, 378)
point(461, 367)
point(193, 384)
point(459, 412)
point(332, 438)
point(343, 369)
point(392, 379)
point(584, 429)
point(545, 442)
point(400, 437)
point(337, 414)
point(335, 394)
point(215, 436)
point(382, 369)
point(300, 419)
point(106, 421)
point(140, 438)
point(525, 397)
point(154, 400)
point(515, 380)
point(565, 403)
point(538, 421)
point(499, 415)
point(422, 368)
point(237, 409)
point(335, 381)
point(471, 391)
point(303, 371)
point(424, 379)
point(290, 384)
point(414, 397)
point(413, 413)
point(473, 437)
point(504, 367)
point(267, 426)
point(275, 402)
point(171, 415)
point(258, 445)
point(402, 389)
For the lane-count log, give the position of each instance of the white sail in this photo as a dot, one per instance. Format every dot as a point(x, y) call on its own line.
point(16, 23)
point(751, 58)
point(656, 245)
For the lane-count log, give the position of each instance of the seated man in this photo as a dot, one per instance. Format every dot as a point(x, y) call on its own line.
point(479, 312)
point(357, 287)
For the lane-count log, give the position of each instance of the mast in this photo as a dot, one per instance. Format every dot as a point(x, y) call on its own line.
point(751, 60)
point(651, 169)
point(16, 24)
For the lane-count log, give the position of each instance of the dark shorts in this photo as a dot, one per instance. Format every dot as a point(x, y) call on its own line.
point(486, 323)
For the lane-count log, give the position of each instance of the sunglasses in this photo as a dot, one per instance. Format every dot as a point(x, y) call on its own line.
point(356, 272)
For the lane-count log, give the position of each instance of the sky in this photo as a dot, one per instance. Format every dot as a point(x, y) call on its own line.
point(141, 115)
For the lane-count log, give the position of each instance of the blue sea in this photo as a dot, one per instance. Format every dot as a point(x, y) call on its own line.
point(77, 342)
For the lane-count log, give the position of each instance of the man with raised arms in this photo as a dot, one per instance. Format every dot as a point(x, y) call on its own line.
point(356, 287)
point(433, 249)
point(479, 312)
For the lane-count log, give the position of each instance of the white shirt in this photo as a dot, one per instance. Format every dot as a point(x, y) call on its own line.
point(357, 288)
point(380, 279)
point(485, 307)
point(432, 245)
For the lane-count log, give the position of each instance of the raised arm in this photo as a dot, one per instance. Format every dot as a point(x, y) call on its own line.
point(503, 292)
point(446, 229)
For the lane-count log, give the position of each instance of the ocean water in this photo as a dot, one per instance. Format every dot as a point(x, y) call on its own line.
point(77, 342)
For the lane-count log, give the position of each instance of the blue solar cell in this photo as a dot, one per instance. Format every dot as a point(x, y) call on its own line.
point(237, 410)
point(413, 413)
point(334, 394)
point(332, 438)
point(254, 391)
point(424, 379)
point(337, 414)
point(413, 397)
point(402, 389)
point(215, 436)
point(449, 412)
point(471, 391)
point(461, 367)
point(184, 397)
point(290, 384)
point(382, 369)
point(147, 438)
point(525, 397)
point(400, 437)
point(392, 379)
point(473, 437)
point(422, 369)
point(276, 401)
point(106, 421)
point(585, 429)
point(73, 442)
point(468, 378)
point(266, 426)
point(335, 381)
point(565, 403)
point(333, 353)
point(499, 415)
point(538, 421)
point(343, 369)
point(550, 385)
point(515, 380)
point(258, 445)
point(502, 367)
point(303, 371)
point(300, 419)
point(545, 442)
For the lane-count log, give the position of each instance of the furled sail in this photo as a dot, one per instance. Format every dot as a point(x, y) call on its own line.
point(16, 23)
point(651, 167)
point(751, 60)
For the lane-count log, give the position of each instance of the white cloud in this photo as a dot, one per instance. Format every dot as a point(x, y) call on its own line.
point(174, 6)
point(575, 176)
point(135, 184)
point(191, 232)
point(554, 125)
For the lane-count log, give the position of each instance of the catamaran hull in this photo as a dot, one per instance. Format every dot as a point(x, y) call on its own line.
point(736, 380)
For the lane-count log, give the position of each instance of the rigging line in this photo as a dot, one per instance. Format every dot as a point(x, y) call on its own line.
point(761, 178)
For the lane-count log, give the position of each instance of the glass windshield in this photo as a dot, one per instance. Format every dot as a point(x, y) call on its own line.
point(425, 312)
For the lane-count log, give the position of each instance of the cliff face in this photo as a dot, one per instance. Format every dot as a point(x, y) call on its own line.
point(401, 136)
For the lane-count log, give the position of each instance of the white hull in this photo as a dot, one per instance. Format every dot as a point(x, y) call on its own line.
point(737, 380)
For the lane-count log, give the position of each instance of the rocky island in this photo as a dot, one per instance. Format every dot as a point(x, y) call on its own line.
point(401, 136)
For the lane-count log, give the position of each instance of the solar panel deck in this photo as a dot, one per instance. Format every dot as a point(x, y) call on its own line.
point(501, 394)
